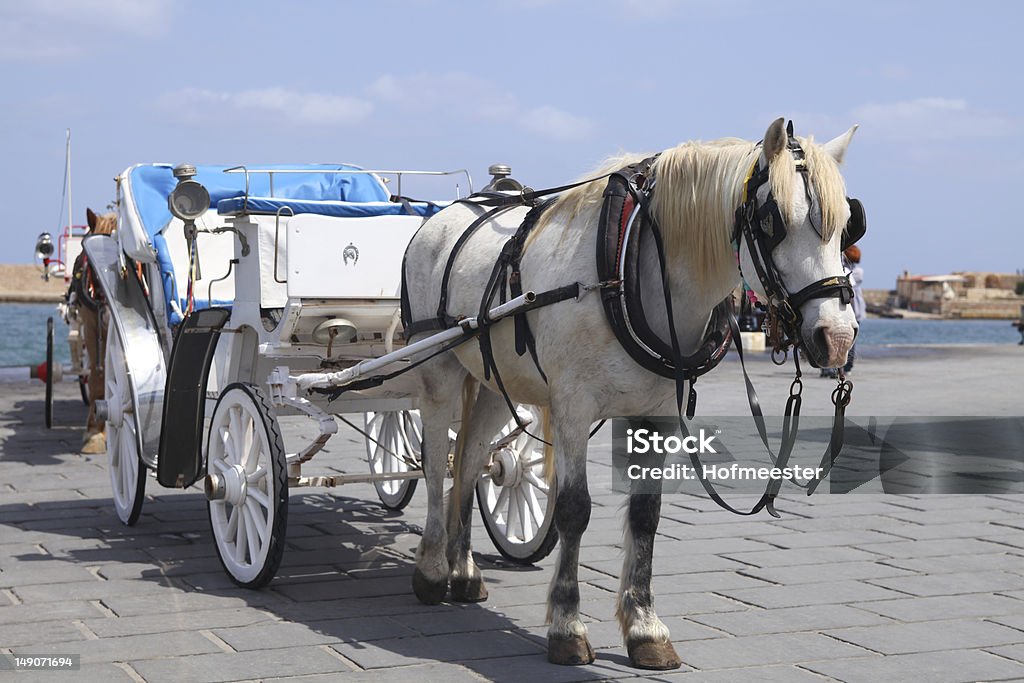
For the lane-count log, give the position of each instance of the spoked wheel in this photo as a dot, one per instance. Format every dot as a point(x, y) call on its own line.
point(516, 502)
point(124, 444)
point(394, 446)
point(49, 373)
point(247, 484)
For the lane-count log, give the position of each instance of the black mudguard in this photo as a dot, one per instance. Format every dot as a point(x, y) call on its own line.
point(180, 462)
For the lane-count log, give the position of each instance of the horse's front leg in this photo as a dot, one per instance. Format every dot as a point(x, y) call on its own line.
point(489, 414)
point(647, 638)
point(567, 634)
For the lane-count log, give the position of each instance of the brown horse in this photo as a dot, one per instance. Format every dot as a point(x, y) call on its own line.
point(85, 300)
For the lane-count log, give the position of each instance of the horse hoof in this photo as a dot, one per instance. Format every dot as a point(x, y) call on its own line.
point(94, 444)
point(572, 651)
point(649, 654)
point(428, 592)
point(469, 590)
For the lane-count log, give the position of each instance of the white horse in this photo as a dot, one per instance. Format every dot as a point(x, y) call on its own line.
point(590, 376)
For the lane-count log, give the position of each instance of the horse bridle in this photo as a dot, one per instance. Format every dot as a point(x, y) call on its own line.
point(762, 227)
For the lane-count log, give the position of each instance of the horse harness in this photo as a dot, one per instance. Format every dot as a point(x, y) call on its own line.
point(625, 214)
point(763, 228)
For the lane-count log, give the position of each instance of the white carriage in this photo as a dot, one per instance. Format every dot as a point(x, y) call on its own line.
point(267, 281)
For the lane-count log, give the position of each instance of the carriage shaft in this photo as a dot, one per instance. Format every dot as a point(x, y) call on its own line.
point(324, 380)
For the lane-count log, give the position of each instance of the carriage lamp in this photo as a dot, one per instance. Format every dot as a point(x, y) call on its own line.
point(189, 200)
point(44, 246)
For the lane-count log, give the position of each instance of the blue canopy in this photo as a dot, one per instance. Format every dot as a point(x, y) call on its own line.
point(152, 184)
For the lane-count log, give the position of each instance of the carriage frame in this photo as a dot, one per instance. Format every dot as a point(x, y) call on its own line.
point(233, 311)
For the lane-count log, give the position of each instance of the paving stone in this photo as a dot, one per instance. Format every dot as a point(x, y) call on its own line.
point(89, 590)
point(761, 674)
point(933, 548)
point(762, 650)
point(1014, 652)
point(817, 573)
point(468, 646)
point(828, 539)
point(953, 584)
point(928, 636)
point(665, 584)
point(789, 619)
point(38, 633)
point(128, 647)
point(961, 563)
point(182, 601)
point(943, 607)
point(450, 673)
point(254, 665)
point(1012, 620)
point(187, 620)
point(34, 573)
point(801, 556)
point(834, 593)
point(536, 669)
point(23, 614)
point(290, 634)
point(951, 666)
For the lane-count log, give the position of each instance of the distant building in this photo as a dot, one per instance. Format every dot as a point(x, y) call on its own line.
point(961, 294)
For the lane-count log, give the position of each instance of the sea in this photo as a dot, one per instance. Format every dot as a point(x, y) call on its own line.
point(23, 333)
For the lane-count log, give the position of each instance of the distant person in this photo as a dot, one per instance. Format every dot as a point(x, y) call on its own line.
point(851, 264)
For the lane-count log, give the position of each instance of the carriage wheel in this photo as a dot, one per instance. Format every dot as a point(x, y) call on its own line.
point(394, 445)
point(249, 515)
point(516, 502)
point(127, 472)
point(49, 373)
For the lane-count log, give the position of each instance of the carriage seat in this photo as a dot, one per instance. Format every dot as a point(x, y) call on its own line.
point(272, 206)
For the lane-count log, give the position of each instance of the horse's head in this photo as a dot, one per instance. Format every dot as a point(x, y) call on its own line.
point(791, 231)
point(103, 224)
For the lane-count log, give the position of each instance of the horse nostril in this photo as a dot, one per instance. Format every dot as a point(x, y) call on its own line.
point(856, 331)
point(821, 339)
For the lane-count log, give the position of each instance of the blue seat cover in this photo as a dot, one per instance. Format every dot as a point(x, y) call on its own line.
point(270, 206)
point(151, 184)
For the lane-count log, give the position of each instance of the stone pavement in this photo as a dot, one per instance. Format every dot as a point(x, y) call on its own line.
point(851, 588)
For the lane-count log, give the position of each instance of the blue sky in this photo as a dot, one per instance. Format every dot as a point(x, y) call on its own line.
point(548, 86)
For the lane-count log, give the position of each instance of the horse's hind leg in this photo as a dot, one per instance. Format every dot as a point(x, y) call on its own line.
point(647, 638)
point(440, 382)
point(489, 414)
point(567, 634)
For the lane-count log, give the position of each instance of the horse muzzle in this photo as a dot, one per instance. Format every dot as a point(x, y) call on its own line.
point(829, 345)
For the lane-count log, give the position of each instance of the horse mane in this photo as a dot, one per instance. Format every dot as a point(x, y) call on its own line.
point(699, 187)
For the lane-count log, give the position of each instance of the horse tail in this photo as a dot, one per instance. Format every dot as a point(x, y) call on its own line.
point(469, 388)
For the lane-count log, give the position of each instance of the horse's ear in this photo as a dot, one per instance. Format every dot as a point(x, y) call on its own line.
point(775, 139)
point(90, 218)
point(836, 148)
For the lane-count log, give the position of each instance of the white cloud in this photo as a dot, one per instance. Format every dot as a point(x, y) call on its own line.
point(923, 119)
point(130, 16)
point(932, 118)
point(477, 99)
point(557, 124)
point(306, 108)
point(41, 30)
